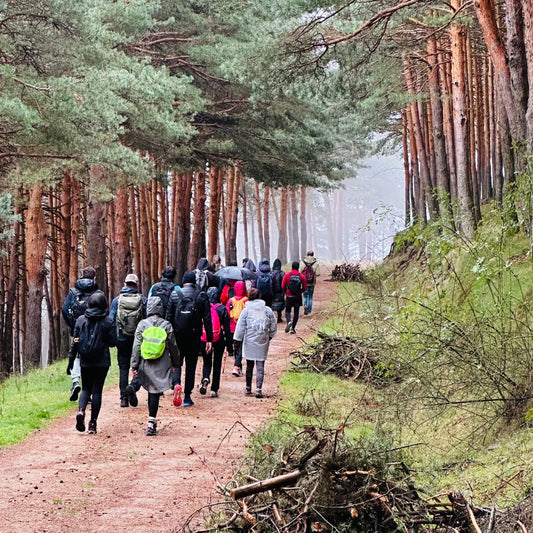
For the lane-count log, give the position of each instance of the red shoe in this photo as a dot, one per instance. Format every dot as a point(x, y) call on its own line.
point(177, 395)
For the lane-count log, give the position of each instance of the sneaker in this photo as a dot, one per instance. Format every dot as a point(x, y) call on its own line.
point(306, 311)
point(74, 391)
point(187, 402)
point(177, 395)
point(214, 394)
point(288, 326)
point(151, 429)
point(292, 331)
point(124, 402)
point(237, 371)
point(132, 396)
point(280, 320)
point(248, 392)
point(203, 386)
point(258, 393)
point(92, 427)
point(80, 421)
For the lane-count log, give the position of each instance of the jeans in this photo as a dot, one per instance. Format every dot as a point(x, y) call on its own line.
point(124, 362)
point(293, 303)
point(308, 298)
point(213, 361)
point(189, 350)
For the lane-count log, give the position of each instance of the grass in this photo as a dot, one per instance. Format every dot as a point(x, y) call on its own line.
point(32, 401)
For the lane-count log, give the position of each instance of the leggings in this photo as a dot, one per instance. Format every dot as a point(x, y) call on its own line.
point(153, 403)
point(92, 384)
point(259, 374)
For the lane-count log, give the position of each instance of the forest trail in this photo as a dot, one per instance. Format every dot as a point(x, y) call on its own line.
point(119, 480)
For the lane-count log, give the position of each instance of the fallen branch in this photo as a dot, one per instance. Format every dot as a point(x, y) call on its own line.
point(265, 484)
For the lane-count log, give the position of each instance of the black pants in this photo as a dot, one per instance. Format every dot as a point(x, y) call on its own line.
point(189, 350)
point(293, 303)
point(92, 384)
point(213, 361)
point(124, 349)
point(153, 403)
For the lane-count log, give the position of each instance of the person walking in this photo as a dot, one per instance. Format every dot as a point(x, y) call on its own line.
point(255, 328)
point(165, 287)
point(294, 285)
point(74, 306)
point(153, 356)
point(222, 340)
point(278, 301)
point(94, 333)
point(235, 306)
point(310, 268)
point(264, 282)
point(127, 310)
point(188, 311)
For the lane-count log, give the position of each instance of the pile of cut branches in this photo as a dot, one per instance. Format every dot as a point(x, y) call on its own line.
point(329, 487)
point(337, 355)
point(347, 272)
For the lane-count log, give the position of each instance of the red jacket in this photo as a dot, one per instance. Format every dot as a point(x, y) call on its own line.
point(285, 283)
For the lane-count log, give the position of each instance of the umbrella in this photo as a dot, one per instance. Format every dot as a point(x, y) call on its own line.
point(236, 273)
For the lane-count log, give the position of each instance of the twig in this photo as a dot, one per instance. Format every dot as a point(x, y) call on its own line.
point(522, 527)
point(264, 485)
point(473, 518)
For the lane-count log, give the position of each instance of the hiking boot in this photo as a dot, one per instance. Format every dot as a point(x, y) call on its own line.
point(74, 391)
point(237, 371)
point(214, 394)
point(92, 427)
point(80, 421)
point(124, 402)
point(306, 311)
point(151, 429)
point(248, 392)
point(177, 395)
point(288, 326)
point(187, 402)
point(203, 386)
point(132, 396)
point(292, 331)
point(258, 393)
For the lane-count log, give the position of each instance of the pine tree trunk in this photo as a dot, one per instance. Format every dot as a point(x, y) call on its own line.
point(407, 173)
point(74, 266)
point(259, 217)
point(294, 240)
point(266, 220)
point(214, 212)
point(197, 245)
point(245, 221)
point(527, 8)
point(183, 227)
point(304, 246)
point(120, 242)
point(282, 230)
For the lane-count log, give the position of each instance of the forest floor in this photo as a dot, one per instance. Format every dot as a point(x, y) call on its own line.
point(59, 480)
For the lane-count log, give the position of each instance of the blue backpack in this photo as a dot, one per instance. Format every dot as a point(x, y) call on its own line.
point(264, 285)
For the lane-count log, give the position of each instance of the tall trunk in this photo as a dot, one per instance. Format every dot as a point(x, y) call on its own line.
point(294, 240)
point(214, 212)
point(183, 227)
point(120, 244)
point(74, 231)
point(419, 204)
point(304, 246)
point(197, 245)
point(266, 220)
point(133, 205)
point(282, 230)
point(259, 216)
point(407, 173)
point(527, 8)
point(245, 221)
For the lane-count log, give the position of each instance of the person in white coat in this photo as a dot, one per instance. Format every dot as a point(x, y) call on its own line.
point(255, 328)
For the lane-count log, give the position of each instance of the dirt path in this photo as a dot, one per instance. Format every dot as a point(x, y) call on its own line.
point(60, 480)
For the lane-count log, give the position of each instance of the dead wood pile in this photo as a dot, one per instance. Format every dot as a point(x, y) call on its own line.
point(347, 272)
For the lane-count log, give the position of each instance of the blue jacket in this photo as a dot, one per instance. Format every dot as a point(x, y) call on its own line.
point(83, 285)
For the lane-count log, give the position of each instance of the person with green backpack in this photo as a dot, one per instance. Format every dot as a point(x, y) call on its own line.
point(127, 310)
point(154, 355)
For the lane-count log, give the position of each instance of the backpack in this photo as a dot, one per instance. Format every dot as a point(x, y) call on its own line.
point(215, 320)
point(186, 315)
point(78, 306)
point(153, 342)
point(90, 340)
point(295, 284)
point(309, 273)
point(264, 285)
point(236, 307)
point(201, 279)
point(163, 290)
point(277, 278)
point(129, 313)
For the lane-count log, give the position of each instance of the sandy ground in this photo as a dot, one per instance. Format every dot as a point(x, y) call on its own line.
point(60, 480)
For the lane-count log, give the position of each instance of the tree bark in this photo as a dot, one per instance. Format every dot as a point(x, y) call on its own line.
point(197, 245)
point(304, 245)
point(282, 230)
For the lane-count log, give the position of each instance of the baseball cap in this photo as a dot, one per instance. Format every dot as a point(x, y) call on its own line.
point(132, 278)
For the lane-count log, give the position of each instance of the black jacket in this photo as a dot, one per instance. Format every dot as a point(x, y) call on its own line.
point(83, 285)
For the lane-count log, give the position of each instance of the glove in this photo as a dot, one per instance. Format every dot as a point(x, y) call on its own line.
point(69, 367)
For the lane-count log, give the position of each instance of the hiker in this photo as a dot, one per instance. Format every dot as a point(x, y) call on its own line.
point(294, 285)
point(255, 329)
point(74, 306)
point(278, 300)
point(235, 306)
point(222, 340)
point(94, 333)
point(217, 262)
point(188, 310)
point(264, 282)
point(154, 355)
point(165, 286)
point(204, 277)
point(127, 310)
point(310, 269)
point(249, 264)
point(227, 290)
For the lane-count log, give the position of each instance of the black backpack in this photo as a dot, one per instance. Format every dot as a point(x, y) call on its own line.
point(186, 313)
point(264, 285)
point(91, 340)
point(78, 305)
point(295, 284)
point(163, 290)
point(277, 278)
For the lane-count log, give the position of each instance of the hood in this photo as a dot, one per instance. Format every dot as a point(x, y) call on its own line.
point(264, 267)
point(154, 306)
point(203, 264)
point(129, 290)
point(240, 289)
point(212, 294)
point(95, 312)
point(250, 265)
point(276, 265)
point(86, 285)
point(255, 304)
point(310, 259)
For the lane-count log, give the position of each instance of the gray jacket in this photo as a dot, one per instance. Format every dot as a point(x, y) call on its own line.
point(154, 374)
point(255, 327)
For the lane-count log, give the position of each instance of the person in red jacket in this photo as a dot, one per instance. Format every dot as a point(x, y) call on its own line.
point(294, 285)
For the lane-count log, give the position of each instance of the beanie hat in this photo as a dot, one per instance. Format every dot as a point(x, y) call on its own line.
point(189, 277)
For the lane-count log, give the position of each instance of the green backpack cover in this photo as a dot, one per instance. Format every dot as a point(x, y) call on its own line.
point(153, 343)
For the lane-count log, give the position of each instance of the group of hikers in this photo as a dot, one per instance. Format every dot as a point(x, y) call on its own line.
point(210, 313)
